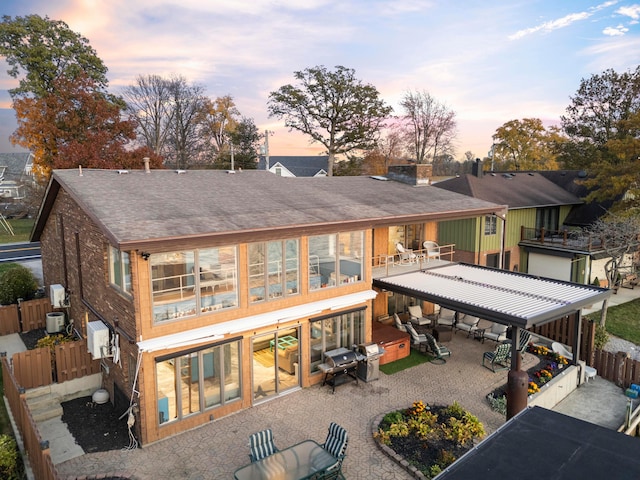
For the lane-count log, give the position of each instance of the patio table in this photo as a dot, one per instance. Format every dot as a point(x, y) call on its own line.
point(300, 461)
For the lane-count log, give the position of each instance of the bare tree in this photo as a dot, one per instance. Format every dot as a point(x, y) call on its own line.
point(430, 125)
point(149, 102)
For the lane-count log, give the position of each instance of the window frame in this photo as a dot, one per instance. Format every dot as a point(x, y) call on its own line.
point(490, 225)
point(123, 261)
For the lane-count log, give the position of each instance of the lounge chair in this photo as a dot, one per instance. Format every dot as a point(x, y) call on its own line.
point(497, 333)
point(446, 317)
point(439, 351)
point(407, 257)
point(499, 358)
point(468, 324)
point(560, 349)
point(418, 340)
point(336, 444)
point(415, 314)
point(399, 325)
point(431, 250)
point(261, 445)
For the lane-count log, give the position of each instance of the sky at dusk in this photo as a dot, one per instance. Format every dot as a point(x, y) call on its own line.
point(490, 61)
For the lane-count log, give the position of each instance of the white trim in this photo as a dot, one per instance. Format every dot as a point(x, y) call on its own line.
point(219, 330)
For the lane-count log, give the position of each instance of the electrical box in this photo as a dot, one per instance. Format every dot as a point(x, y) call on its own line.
point(98, 339)
point(57, 295)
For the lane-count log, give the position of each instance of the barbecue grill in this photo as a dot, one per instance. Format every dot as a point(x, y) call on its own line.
point(339, 366)
point(369, 368)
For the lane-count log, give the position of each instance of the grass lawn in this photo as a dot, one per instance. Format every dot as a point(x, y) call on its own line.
point(21, 228)
point(414, 358)
point(623, 320)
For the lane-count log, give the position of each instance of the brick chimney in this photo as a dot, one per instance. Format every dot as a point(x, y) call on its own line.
point(415, 174)
point(476, 168)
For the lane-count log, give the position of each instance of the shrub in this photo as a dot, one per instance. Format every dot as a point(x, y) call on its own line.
point(10, 464)
point(17, 282)
point(602, 337)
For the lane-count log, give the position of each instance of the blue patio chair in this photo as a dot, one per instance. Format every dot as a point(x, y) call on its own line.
point(336, 445)
point(261, 445)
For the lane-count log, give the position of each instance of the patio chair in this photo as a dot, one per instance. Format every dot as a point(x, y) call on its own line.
point(418, 340)
point(439, 351)
point(431, 250)
point(560, 349)
point(497, 333)
point(446, 317)
point(407, 257)
point(415, 313)
point(498, 359)
point(468, 324)
point(399, 325)
point(336, 444)
point(261, 445)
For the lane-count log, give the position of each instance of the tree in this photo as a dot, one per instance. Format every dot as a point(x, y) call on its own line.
point(76, 125)
point(430, 125)
point(332, 107)
point(44, 50)
point(525, 145)
point(149, 103)
point(245, 140)
point(597, 115)
point(220, 119)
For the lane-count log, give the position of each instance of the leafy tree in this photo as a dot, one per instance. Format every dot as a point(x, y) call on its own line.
point(430, 125)
point(525, 145)
point(245, 140)
point(220, 119)
point(597, 115)
point(44, 50)
point(77, 125)
point(332, 107)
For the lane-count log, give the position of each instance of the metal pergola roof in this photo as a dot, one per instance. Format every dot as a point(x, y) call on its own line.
point(500, 296)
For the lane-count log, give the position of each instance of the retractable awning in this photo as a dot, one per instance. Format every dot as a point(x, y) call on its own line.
point(500, 296)
point(219, 330)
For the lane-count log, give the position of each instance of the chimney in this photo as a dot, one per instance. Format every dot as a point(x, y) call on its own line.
point(413, 174)
point(146, 165)
point(476, 169)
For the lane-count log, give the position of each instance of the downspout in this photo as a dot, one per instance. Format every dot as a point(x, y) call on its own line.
point(502, 216)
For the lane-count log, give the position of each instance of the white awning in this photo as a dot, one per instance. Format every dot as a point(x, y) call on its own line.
point(219, 330)
point(496, 295)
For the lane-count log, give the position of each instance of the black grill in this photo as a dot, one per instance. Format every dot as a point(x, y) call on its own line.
point(339, 366)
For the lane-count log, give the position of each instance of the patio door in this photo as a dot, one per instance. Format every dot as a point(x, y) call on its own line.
point(275, 358)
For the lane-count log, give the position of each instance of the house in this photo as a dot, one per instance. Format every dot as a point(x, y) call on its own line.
point(227, 292)
point(16, 172)
point(542, 232)
point(296, 166)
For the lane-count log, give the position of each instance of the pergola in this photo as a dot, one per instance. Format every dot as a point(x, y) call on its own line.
point(514, 299)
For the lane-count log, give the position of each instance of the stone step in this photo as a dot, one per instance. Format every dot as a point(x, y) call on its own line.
point(46, 412)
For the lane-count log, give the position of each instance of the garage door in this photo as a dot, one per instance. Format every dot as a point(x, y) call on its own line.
point(548, 266)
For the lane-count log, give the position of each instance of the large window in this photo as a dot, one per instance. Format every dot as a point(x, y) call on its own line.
point(178, 292)
point(194, 381)
point(334, 332)
point(547, 218)
point(335, 259)
point(119, 269)
point(273, 270)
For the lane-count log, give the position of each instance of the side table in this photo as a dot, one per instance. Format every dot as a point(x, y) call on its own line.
point(478, 334)
point(442, 334)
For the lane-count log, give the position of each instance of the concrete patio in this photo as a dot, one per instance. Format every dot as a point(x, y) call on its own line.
point(219, 448)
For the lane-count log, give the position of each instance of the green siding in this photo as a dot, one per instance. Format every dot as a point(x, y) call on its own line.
point(462, 233)
point(515, 219)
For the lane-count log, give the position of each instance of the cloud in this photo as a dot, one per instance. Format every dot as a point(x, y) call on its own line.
point(562, 22)
point(615, 31)
point(632, 11)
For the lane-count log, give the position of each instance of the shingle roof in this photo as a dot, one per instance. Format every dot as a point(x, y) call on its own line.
point(515, 189)
point(140, 208)
point(300, 166)
point(15, 163)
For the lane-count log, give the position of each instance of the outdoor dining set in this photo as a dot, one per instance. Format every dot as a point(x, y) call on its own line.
point(304, 460)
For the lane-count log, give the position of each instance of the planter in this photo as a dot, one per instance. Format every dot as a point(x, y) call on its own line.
point(556, 389)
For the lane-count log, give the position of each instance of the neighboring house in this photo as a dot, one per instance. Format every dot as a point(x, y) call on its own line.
point(544, 224)
point(296, 166)
point(534, 203)
point(227, 292)
point(16, 171)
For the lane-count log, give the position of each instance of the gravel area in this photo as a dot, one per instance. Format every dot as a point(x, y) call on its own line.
point(615, 345)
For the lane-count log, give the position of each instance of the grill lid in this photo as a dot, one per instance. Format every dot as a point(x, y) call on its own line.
point(340, 357)
point(370, 349)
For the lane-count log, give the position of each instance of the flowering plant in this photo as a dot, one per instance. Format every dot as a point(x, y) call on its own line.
point(417, 408)
point(543, 375)
point(538, 349)
point(560, 359)
point(533, 388)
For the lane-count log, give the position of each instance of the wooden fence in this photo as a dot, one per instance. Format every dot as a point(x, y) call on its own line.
point(38, 451)
point(562, 331)
point(617, 368)
point(25, 316)
point(39, 367)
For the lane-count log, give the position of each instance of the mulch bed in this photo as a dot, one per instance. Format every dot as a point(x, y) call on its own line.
point(30, 338)
point(96, 427)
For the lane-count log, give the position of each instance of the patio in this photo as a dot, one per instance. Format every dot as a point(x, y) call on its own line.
point(219, 448)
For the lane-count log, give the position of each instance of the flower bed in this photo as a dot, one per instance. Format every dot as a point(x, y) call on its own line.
point(551, 365)
point(429, 438)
